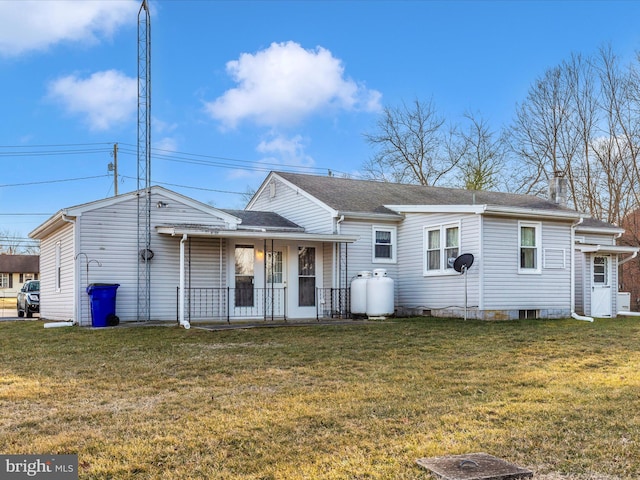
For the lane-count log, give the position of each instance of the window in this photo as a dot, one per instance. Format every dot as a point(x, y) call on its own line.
point(600, 271)
point(442, 247)
point(274, 267)
point(384, 244)
point(529, 240)
point(4, 280)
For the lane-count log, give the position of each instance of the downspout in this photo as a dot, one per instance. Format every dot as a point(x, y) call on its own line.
point(573, 274)
point(337, 278)
point(184, 323)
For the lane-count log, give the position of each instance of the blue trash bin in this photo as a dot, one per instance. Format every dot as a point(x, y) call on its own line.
point(103, 302)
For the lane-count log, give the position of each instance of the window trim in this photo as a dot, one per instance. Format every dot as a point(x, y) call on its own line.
point(442, 228)
point(537, 270)
point(394, 247)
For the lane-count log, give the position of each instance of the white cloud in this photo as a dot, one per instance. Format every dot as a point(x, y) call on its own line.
point(278, 151)
point(103, 99)
point(285, 83)
point(29, 25)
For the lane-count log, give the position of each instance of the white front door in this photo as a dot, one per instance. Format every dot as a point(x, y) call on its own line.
point(304, 276)
point(601, 291)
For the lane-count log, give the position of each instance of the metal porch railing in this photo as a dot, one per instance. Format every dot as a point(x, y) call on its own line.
point(227, 303)
point(333, 303)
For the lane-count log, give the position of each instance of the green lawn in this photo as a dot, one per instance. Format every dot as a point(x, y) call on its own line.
point(325, 402)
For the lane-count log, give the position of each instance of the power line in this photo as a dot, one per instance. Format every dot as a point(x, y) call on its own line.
point(53, 181)
point(187, 186)
point(158, 153)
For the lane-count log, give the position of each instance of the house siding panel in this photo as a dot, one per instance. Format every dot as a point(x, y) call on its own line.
point(294, 206)
point(548, 291)
point(57, 305)
point(110, 236)
point(435, 293)
point(594, 238)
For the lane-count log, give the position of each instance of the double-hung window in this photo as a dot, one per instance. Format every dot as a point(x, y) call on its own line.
point(530, 243)
point(441, 247)
point(384, 244)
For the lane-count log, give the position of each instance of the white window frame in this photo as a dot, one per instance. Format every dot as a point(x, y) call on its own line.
point(394, 248)
point(4, 280)
point(445, 268)
point(537, 270)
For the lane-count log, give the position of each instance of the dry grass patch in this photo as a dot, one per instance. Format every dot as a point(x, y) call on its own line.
point(354, 402)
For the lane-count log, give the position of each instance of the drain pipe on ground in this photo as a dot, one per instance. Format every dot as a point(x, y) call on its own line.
point(183, 323)
point(574, 315)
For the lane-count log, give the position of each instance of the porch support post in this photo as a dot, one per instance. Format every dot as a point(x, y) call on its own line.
point(181, 295)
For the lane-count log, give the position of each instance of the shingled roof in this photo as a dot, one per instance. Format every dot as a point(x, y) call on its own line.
point(257, 219)
point(19, 263)
point(349, 195)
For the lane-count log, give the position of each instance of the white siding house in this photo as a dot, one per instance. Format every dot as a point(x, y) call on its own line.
point(302, 239)
point(532, 257)
point(236, 264)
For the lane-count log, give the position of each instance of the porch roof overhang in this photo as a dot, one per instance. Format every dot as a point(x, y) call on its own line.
point(610, 249)
point(596, 248)
point(191, 231)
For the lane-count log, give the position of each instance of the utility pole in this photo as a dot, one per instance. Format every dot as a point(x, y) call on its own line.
point(113, 167)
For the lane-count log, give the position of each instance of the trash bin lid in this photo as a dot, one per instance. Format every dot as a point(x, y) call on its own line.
point(101, 286)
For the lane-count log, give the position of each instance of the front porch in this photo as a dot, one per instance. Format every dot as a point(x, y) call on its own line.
point(227, 304)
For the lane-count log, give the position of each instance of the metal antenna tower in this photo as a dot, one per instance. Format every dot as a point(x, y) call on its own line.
point(144, 163)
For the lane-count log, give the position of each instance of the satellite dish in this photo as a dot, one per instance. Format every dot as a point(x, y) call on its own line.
point(461, 265)
point(464, 261)
point(146, 254)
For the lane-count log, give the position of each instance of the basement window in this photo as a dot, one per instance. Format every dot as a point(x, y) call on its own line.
point(527, 314)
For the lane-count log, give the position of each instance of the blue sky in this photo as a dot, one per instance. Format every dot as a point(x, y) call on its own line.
point(243, 87)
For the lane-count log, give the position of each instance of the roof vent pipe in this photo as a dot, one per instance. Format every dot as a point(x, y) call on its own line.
point(558, 189)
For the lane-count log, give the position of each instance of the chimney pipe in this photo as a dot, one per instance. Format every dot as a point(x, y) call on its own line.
point(558, 188)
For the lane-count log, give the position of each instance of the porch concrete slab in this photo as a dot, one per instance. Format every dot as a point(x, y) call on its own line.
point(473, 466)
point(214, 326)
point(276, 324)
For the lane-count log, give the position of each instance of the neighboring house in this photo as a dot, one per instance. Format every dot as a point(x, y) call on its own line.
point(293, 252)
point(15, 270)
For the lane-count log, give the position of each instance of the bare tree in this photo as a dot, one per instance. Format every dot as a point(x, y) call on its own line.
point(538, 136)
point(11, 243)
point(482, 155)
point(414, 145)
point(584, 172)
point(618, 148)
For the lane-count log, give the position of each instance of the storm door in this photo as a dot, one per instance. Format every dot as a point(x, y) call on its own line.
point(306, 276)
point(244, 294)
point(601, 291)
